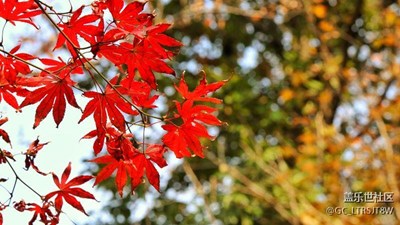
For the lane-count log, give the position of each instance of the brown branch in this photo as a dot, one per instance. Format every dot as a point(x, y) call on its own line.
point(253, 188)
point(200, 190)
point(390, 164)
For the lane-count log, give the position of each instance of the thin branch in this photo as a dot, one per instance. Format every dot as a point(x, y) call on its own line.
point(29, 63)
point(2, 33)
point(390, 165)
point(200, 190)
point(22, 181)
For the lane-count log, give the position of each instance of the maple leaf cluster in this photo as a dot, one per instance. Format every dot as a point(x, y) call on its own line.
point(138, 49)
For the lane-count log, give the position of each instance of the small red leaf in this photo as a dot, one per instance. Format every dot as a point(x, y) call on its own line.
point(67, 191)
point(52, 96)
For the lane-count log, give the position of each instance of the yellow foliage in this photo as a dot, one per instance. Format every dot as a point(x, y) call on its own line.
point(326, 26)
point(286, 94)
point(320, 11)
point(309, 150)
point(325, 97)
point(298, 78)
point(307, 138)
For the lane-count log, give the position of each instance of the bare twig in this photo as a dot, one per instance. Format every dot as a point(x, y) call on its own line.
point(200, 190)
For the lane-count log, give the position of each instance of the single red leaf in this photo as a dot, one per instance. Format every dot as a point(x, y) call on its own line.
point(75, 27)
point(138, 57)
point(106, 171)
point(140, 92)
point(156, 154)
point(112, 165)
point(10, 66)
point(130, 18)
point(58, 67)
point(182, 138)
point(107, 105)
point(201, 91)
point(31, 154)
point(144, 165)
point(21, 11)
point(67, 191)
point(51, 96)
point(157, 40)
point(100, 135)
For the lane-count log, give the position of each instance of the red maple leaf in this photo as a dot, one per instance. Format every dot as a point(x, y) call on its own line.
point(201, 91)
point(31, 154)
point(22, 11)
point(130, 18)
point(157, 40)
point(46, 216)
point(108, 104)
point(100, 135)
point(138, 57)
point(180, 139)
point(144, 165)
point(78, 26)
point(68, 190)
point(110, 133)
point(10, 67)
point(156, 154)
point(120, 152)
point(59, 66)
point(113, 164)
point(4, 154)
point(133, 168)
point(139, 92)
point(51, 96)
point(124, 158)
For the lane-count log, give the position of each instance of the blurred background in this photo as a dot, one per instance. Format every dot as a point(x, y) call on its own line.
point(312, 106)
